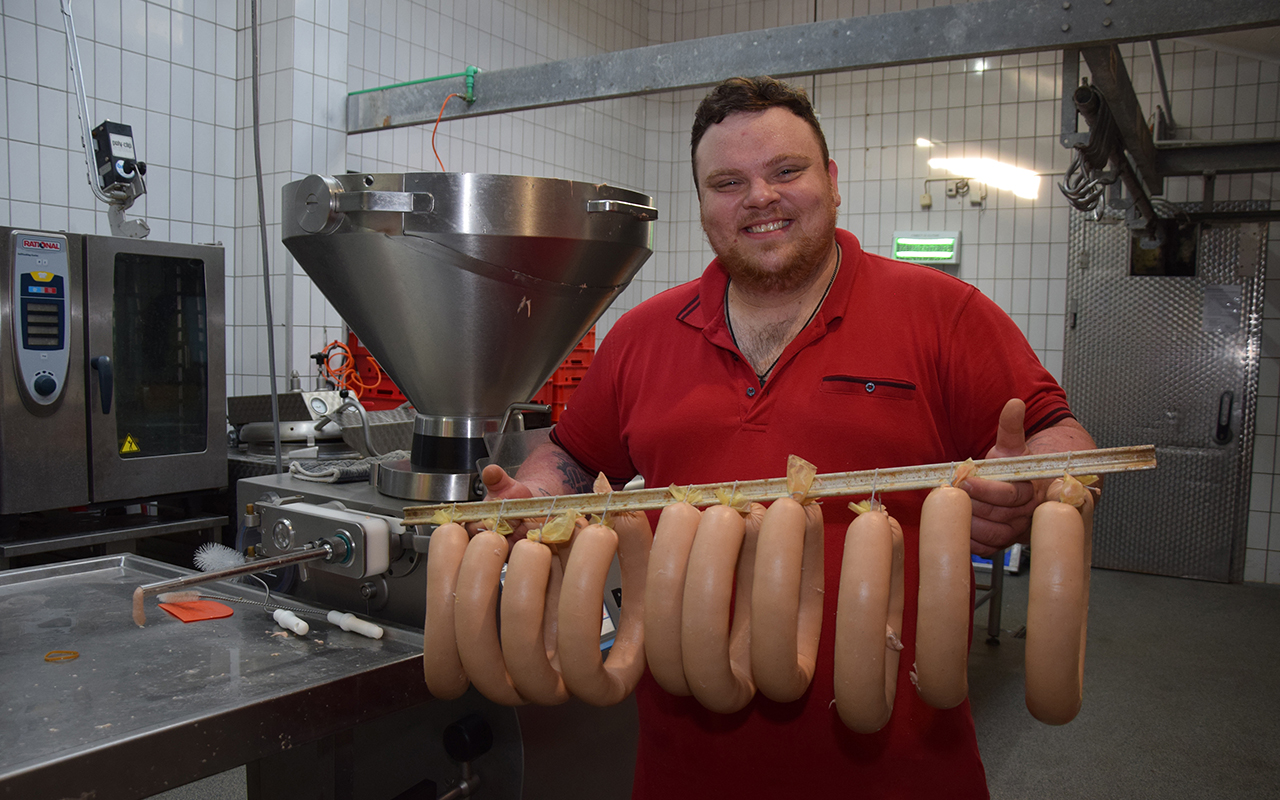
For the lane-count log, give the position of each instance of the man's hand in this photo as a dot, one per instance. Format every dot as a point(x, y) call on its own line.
point(501, 486)
point(547, 471)
point(1002, 510)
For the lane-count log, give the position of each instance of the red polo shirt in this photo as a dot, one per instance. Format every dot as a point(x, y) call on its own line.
point(901, 365)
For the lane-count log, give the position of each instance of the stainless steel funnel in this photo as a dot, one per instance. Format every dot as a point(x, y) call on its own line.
point(469, 289)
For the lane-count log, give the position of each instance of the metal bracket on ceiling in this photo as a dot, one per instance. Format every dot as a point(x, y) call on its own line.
point(948, 32)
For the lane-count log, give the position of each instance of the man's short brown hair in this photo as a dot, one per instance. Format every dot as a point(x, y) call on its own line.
point(751, 94)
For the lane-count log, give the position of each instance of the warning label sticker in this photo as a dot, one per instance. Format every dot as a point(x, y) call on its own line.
point(130, 446)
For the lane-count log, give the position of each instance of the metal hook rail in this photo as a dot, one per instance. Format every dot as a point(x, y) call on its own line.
point(836, 484)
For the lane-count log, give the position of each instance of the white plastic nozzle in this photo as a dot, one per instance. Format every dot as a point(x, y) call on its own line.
point(289, 621)
point(350, 622)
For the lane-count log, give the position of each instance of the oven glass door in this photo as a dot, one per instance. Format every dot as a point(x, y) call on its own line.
point(161, 347)
point(157, 410)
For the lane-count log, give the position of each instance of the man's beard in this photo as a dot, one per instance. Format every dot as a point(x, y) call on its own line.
point(805, 262)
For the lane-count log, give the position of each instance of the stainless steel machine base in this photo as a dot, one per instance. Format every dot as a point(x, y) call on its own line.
point(400, 480)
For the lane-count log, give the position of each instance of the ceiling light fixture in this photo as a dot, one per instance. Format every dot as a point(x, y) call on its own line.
point(1022, 182)
point(923, 142)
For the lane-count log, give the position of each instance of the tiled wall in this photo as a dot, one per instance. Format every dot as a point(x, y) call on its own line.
point(179, 73)
point(302, 62)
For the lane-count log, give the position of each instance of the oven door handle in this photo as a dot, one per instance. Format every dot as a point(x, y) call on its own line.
point(105, 380)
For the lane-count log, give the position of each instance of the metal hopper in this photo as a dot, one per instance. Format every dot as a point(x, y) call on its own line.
point(469, 290)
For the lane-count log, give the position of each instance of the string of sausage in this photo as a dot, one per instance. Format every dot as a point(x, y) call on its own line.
point(680, 583)
point(475, 619)
point(716, 656)
point(534, 582)
point(869, 621)
point(943, 607)
point(786, 602)
point(664, 595)
point(1058, 606)
point(441, 666)
point(586, 674)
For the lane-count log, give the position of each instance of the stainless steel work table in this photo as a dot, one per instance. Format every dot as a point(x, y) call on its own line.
point(141, 710)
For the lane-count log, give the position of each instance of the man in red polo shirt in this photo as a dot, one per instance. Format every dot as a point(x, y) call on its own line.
point(795, 340)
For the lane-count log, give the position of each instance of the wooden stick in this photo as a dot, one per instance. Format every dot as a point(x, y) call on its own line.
point(836, 484)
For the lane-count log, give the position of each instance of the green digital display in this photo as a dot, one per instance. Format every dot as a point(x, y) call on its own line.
point(927, 247)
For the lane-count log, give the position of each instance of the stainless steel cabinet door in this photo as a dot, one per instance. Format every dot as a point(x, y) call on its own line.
point(156, 367)
point(1169, 360)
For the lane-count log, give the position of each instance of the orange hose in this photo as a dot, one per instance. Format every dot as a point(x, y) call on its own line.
point(345, 375)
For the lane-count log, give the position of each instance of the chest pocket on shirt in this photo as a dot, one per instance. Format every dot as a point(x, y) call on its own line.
point(882, 388)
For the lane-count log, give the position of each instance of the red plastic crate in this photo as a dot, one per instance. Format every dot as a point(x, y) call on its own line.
point(580, 357)
point(556, 391)
point(386, 395)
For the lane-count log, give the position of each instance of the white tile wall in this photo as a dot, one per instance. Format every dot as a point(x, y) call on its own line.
point(140, 68)
point(178, 72)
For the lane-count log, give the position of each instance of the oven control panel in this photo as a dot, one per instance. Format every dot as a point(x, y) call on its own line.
point(41, 314)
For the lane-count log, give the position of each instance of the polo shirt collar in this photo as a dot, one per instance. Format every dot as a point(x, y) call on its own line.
point(708, 313)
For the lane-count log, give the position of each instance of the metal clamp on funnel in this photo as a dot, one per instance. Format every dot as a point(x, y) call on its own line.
point(326, 202)
point(469, 290)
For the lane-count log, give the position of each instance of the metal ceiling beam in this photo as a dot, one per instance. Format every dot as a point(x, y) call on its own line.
point(1218, 157)
point(970, 30)
point(1110, 77)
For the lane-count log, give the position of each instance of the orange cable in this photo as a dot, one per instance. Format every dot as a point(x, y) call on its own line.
point(437, 125)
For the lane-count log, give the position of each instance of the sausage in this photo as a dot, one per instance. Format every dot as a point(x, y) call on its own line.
point(716, 680)
point(589, 677)
point(1057, 608)
point(530, 582)
point(475, 619)
point(664, 595)
point(869, 621)
point(441, 666)
point(740, 633)
point(786, 601)
point(943, 610)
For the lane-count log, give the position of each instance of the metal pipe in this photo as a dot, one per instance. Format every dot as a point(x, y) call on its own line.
point(82, 109)
point(1164, 87)
point(310, 552)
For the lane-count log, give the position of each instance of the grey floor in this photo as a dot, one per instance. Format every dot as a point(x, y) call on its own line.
point(1181, 700)
point(1181, 696)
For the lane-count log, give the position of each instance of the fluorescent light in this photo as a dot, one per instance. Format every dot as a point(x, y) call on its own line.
point(980, 65)
point(1022, 182)
point(923, 142)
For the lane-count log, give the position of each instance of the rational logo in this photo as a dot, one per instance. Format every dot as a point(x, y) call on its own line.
point(41, 244)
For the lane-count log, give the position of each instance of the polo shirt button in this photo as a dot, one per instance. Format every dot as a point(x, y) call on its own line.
point(751, 391)
point(871, 387)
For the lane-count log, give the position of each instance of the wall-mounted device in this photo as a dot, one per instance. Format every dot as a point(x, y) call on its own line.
point(118, 385)
point(117, 160)
point(936, 248)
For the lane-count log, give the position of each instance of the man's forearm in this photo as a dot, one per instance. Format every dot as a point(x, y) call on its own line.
point(550, 470)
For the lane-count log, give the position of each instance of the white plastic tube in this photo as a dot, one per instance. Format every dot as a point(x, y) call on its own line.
point(289, 621)
point(350, 622)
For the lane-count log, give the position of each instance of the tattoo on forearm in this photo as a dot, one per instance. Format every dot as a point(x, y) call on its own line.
point(575, 477)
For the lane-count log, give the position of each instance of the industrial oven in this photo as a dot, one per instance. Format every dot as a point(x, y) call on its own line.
point(114, 385)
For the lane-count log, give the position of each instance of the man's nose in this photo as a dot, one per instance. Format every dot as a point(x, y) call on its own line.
point(761, 193)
